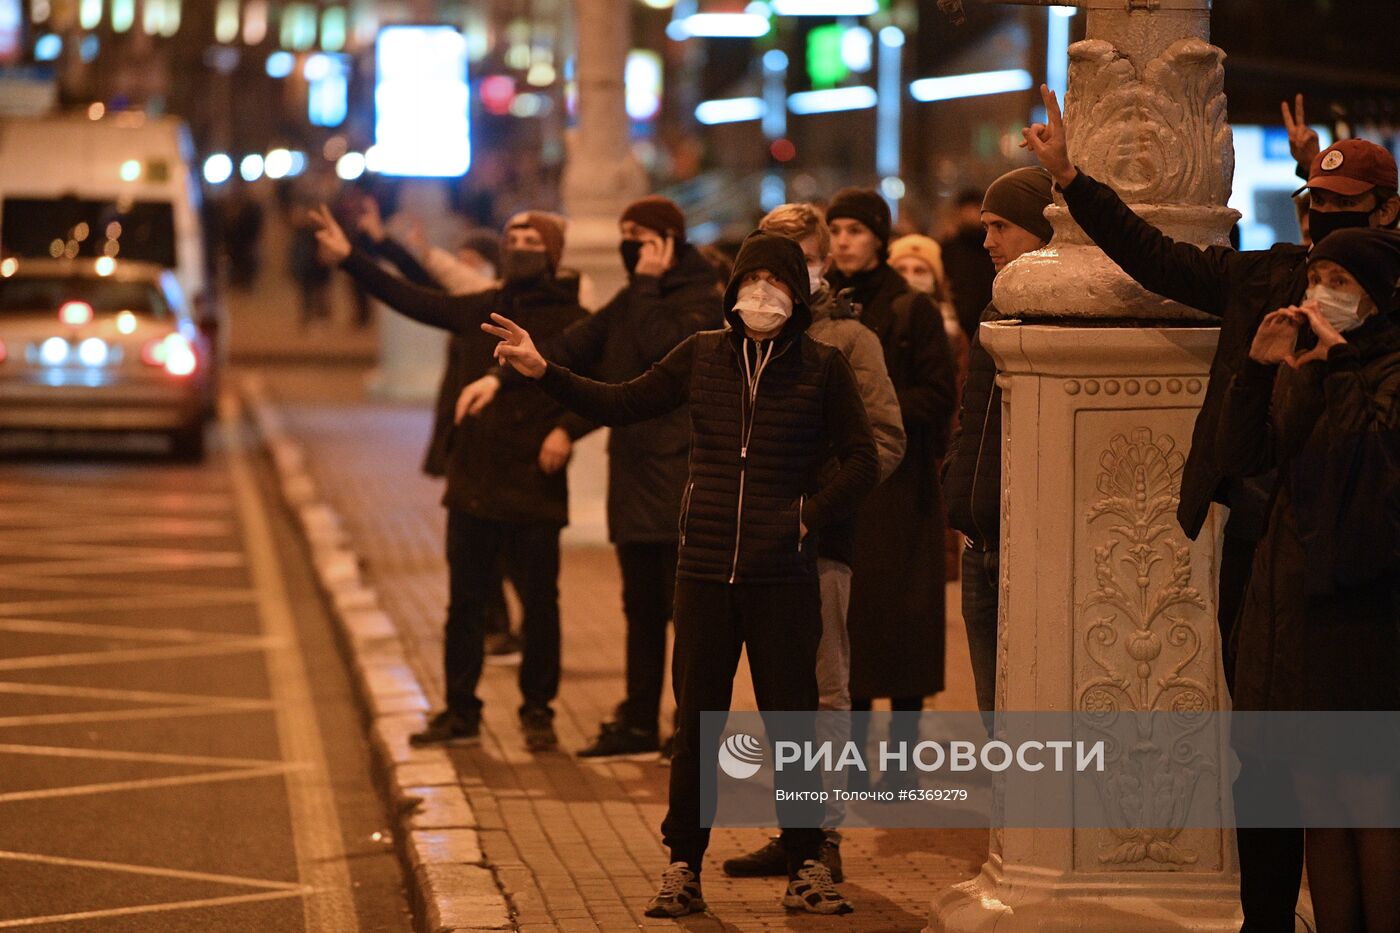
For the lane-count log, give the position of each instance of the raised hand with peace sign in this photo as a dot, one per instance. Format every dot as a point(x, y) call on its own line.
point(516, 348)
point(1303, 143)
point(1047, 141)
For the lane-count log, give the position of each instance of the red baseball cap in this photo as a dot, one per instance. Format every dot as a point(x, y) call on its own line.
point(1352, 167)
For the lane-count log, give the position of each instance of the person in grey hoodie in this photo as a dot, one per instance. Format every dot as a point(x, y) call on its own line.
point(835, 323)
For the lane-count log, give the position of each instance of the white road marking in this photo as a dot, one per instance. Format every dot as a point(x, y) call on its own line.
point(136, 696)
point(102, 630)
point(183, 780)
point(196, 599)
point(315, 823)
point(152, 870)
point(120, 715)
point(155, 908)
point(133, 655)
point(117, 754)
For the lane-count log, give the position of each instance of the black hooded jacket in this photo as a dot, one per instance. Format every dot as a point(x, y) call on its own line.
point(492, 463)
point(765, 417)
point(647, 462)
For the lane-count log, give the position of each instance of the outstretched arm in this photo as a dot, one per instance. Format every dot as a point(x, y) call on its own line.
point(659, 390)
point(1179, 271)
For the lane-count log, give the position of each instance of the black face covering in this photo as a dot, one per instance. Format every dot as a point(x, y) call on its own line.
point(1321, 223)
point(521, 265)
point(631, 251)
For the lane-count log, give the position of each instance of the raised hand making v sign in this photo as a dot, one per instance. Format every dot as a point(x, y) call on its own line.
point(1303, 143)
point(1046, 141)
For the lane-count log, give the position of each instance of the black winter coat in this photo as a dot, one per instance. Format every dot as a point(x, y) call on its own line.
point(970, 274)
point(493, 467)
point(745, 503)
point(1238, 287)
point(896, 616)
point(1320, 624)
point(972, 471)
point(647, 462)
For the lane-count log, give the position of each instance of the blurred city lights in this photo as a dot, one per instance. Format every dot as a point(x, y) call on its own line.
point(130, 170)
point(333, 28)
point(54, 351)
point(89, 13)
point(278, 164)
point(93, 351)
point(718, 26)
point(421, 125)
point(826, 7)
point(97, 111)
point(47, 47)
point(123, 15)
point(975, 84)
point(892, 37)
point(350, 166)
point(642, 81)
point(730, 110)
point(88, 48)
point(855, 49)
point(251, 168)
point(126, 322)
point(659, 4)
point(226, 21)
point(218, 168)
point(105, 265)
point(892, 187)
point(255, 23)
point(8, 267)
point(280, 64)
point(775, 60)
point(832, 100)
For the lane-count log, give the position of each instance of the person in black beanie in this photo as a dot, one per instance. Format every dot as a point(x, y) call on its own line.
point(669, 295)
point(896, 617)
point(760, 485)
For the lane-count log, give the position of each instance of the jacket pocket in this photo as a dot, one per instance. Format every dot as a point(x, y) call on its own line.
point(685, 509)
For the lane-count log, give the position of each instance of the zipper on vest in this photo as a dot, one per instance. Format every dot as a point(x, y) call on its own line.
point(751, 381)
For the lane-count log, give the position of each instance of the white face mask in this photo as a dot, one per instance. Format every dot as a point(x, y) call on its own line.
point(1339, 308)
point(762, 306)
point(814, 277)
point(921, 283)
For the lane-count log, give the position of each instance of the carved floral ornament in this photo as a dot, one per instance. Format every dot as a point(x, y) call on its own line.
point(1159, 136)
point(1139, 645)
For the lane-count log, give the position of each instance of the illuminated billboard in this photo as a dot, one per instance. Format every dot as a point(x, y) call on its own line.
point(421, 126)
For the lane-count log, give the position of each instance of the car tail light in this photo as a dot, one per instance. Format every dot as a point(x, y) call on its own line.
point(75, 313)
point(173, 353)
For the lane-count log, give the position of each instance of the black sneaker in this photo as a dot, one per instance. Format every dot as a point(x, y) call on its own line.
point(770, 861)
point(831, 858)
point(617, 740)
point(448, 728)
point(812, 890)
point(538, 726)
point(502, 648)
point(679, 894)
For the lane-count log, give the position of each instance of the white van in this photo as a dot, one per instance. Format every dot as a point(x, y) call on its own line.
point(122, 186)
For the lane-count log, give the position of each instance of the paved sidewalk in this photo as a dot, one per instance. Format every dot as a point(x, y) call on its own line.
point(575, 845)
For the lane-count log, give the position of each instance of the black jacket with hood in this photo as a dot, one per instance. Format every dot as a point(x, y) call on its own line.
point(493, 469)
point(647, 461)
point(765, 418)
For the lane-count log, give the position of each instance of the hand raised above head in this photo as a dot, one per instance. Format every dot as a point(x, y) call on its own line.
point(1303, 143)
point(1047, 142)
point(334, 245)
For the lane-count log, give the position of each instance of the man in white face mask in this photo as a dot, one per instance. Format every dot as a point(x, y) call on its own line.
point(770, 410)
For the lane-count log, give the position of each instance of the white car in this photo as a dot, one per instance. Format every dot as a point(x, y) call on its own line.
point(101, 345)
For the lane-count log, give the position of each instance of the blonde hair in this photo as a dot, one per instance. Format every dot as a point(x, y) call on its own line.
point(797, 222)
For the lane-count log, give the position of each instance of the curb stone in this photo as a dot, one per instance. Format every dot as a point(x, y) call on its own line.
point(453, 888)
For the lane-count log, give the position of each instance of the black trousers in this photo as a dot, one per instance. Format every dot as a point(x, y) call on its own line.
point(780, 625)
point(1271, 860)
point(648, 591)
point(981, 591)
point(529, 553)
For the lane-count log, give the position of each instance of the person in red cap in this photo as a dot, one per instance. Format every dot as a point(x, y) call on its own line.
point(507, 490)
point(1239, 288)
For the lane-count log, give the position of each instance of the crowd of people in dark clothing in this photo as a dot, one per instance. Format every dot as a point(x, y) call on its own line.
point(796, 429)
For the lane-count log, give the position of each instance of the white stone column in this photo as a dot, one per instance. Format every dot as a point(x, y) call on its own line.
point(1097, 424)
point(1098, 421)
point(602, 176)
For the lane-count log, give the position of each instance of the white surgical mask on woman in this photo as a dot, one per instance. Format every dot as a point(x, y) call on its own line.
point(763, 306)
point(814, 277)
point(1339, 308)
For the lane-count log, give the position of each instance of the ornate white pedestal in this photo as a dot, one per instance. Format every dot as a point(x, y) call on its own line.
point(1105, 604)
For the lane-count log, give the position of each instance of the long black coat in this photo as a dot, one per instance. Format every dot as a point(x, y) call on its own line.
point(493, 469)
point(647, 462)
point(896, 618)
point(1238, 287)
point(1320, 625)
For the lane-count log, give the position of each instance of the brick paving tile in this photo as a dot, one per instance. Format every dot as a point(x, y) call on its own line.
point(575, 844)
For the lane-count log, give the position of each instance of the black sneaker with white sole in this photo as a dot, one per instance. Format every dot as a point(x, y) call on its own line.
point(679, 894)
point(448, 728)
point(812, 890)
